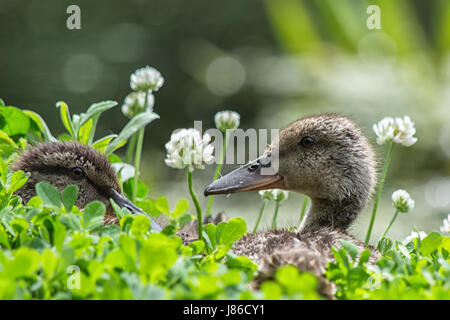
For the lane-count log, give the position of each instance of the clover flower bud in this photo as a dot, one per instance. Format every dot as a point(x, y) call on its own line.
point(146, 78)
point(402, 201)
point(274, 194)
point(134, 103)
point(225, 120)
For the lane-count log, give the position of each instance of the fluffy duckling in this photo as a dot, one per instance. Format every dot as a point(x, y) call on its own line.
point(325, 157)
point(66, 163)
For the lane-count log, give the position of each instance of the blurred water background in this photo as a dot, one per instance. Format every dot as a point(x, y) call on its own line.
point(272, 61)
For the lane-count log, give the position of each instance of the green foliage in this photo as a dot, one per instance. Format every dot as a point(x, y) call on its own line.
point(419, 270)
point(50, 249)
point(81, 127)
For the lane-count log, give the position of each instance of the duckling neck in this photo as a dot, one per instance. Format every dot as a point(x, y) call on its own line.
point(325, 213)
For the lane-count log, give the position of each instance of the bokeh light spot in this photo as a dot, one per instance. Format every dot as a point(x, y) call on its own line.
point(81, 72)
point(225, 76)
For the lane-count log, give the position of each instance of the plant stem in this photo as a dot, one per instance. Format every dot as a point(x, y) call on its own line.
point(137, 156)
point(263, 205)
point(131, 146)
point(304, 205)
point(379, 191)
point(275, 214)
point(197, 205)
point(217, 172)
point(137, 162)
point(390, 224)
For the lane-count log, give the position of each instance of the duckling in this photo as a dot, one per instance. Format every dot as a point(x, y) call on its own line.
point(325, 157)
point(66, 163)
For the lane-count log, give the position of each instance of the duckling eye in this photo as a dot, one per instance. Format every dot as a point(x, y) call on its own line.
point(78, 172)
point(306, 142)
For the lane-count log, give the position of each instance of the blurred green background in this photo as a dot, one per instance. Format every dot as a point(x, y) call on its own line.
point(272, 61)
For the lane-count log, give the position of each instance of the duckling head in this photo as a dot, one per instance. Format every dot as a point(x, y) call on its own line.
point(325, 157)
point(66, 163)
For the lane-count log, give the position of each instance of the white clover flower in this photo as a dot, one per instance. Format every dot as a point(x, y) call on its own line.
point(227, 120)
point(402, 201)
point(384, 130)
point(146, 78)
point(187, 148)
point(445, 228)
point(404, 131)
point(134, 103)
point(274, 194)
point(413, 235)
point(399, 130)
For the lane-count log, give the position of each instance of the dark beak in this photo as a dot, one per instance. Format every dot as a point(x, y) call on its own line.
point(123, 202)
point(256, 175)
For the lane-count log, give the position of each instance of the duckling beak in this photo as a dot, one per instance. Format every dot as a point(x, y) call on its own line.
point(250, 177)
point(123, 202)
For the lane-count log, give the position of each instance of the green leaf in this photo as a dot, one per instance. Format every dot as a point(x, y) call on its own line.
point(197, 246)
point(25, 262)
point(16, 122)
point(49, 194)
point(41, 125)
point(207, 242)
point(162, 204)
point(351, 248)
point(221, 250)
point(95, 110)
point(18, 179)
point(5, 218)
point(65, 117)
point(19, 225)
point(35, 202)
point(181, 208)
point(4, 239)
point(384, 245)
point(93, 214)
point(431, 242)
point(69, 197)
point(5, 139)
point(365, 255)
point(138, 122)
point(2, 103)
point(211, 232)
point(141, 225)
point(272, 290)
point(242, 263)
point(234, 229)
point(128, 188)
point(3, 172)
point(102, 143)
point(59, 236)
point(126, 221)
point(49, 263)
point(85, 132)
point(286, 274)
point(156, 256)
point(128, 246)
